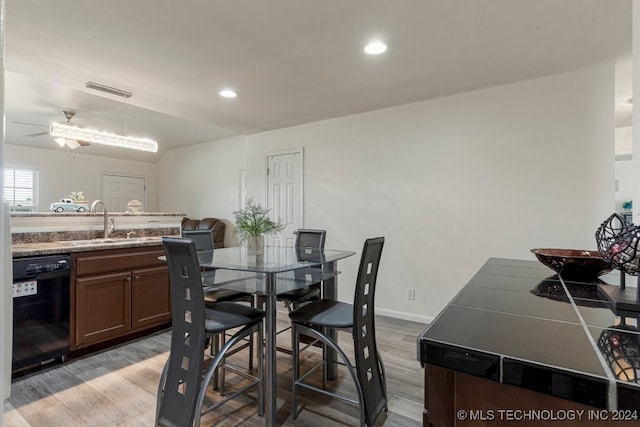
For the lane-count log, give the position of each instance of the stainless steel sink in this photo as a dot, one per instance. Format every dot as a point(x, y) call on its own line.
point(143, 239)
point(88, 242)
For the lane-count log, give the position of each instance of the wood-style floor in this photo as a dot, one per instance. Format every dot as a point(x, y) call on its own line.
point(118, 387)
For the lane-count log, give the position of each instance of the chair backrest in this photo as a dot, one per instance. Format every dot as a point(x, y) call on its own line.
point(368, 365)
point(308, 238)
point(178, 402)
point(308, 243)
point(202, 238)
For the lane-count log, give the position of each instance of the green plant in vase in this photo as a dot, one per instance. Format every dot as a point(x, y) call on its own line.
point(252, 223)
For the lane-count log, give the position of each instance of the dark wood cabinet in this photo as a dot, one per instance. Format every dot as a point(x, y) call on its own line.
point(103, 307)
point(118, 292)
point(150, 297)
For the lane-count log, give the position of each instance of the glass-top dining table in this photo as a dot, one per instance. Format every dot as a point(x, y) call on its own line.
point(278, 270)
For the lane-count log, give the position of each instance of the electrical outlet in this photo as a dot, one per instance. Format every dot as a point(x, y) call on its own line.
point(411, 294)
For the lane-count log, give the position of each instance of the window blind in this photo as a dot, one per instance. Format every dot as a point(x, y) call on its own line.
point(20, 189)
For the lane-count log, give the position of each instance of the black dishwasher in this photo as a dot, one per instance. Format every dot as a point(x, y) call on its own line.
point(40, 311)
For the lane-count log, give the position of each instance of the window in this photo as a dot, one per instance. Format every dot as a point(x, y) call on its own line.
point(20, 189)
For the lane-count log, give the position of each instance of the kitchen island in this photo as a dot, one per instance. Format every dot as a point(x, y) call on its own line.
point(518, 340)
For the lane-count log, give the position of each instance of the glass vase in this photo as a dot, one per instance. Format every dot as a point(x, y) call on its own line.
point(255, 245)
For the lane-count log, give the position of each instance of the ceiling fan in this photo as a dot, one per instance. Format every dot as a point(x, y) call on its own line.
point(70, 143)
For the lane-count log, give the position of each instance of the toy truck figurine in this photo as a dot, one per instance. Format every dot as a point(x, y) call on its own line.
point(68, 205)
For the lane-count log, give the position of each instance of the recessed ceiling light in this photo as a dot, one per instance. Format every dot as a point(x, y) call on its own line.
point(228, 93)
point(375, 48)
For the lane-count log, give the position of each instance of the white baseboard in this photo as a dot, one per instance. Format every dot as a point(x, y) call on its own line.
point(404, 316)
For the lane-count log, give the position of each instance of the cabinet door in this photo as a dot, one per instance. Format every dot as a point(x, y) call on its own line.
point(103, 307)
point(150, 297)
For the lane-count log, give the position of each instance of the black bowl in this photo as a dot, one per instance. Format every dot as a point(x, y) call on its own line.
point(574, 264)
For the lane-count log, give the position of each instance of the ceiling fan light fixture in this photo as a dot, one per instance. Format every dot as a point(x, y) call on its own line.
point(73, 144)
point(60, 141)
point(99, 137)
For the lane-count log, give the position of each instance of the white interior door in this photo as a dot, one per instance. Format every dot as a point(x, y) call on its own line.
point(118, 190)
point(284, 194)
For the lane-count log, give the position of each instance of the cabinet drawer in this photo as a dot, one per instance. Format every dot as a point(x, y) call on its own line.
point(108, 261)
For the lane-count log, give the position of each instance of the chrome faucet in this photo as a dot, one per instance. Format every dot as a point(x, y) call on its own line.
point(107, 228)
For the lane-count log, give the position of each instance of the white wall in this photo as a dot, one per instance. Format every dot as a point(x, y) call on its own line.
point(635, 114)
point(204, 181)
point(59, 174)
point(626, 177)
point(449, 182)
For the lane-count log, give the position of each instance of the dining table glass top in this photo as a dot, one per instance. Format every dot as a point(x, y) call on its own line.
point(280, 269)
point(276, 259)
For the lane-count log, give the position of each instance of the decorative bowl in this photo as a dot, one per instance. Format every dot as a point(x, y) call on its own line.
point(574, 264)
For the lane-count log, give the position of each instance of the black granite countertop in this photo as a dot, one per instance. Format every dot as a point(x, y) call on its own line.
point(518, 323)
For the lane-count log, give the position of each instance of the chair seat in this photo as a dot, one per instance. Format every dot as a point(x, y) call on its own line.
point(227, 315)
point(329, 313)
point(302, 294)
point(222, 295)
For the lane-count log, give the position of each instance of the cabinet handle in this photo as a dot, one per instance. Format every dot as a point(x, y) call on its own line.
point(128, 279)
point(136, 277)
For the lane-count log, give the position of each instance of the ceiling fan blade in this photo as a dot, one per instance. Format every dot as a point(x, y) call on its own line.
point(83, 143)
point(30, 124)
point(32, 135)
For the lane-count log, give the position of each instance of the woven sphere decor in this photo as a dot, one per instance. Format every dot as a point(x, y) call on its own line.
point(618, 244)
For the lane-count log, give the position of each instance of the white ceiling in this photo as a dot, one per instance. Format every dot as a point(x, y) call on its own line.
point(291, 61)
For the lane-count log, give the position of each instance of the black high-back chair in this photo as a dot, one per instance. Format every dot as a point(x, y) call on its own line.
point(202, 238)
point(312, 239)
point(183, 383)
point(204, 242)
point(308, 243)
point(318, 317)
point(179, 388)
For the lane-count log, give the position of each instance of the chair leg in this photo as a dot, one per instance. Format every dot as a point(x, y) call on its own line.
point(251, 351)
point(325, 362)
point(295, 352)
point(252, 303)
point(216, 363)
point(260, 350)
point(384, 382)
point(161, 385)
point(221, 370)
point(215, 348)
point(328, 342)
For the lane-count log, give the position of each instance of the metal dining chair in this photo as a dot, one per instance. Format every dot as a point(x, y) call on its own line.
point(204, 242)
point(183, 383)
point(213, 294)
point(318, 317)
point(306, 240)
